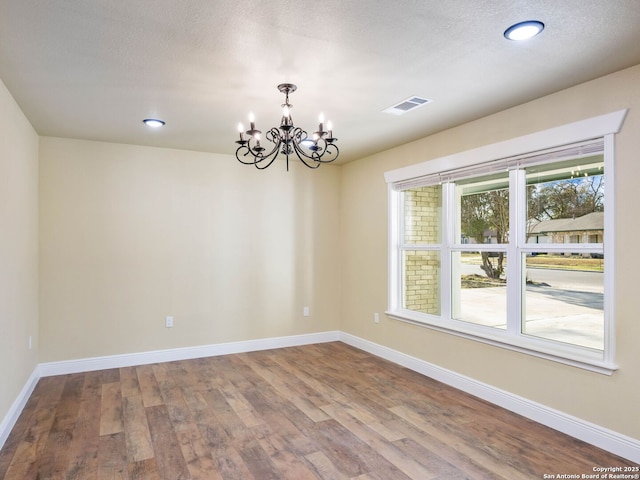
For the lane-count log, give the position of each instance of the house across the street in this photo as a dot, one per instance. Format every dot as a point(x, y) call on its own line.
point(588, 228)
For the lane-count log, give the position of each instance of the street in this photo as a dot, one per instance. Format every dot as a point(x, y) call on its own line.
point(581, 281)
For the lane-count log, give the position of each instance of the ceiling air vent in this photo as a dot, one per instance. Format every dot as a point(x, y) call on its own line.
point(406, 105)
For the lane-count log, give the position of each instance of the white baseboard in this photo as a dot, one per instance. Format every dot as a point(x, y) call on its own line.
point(145, 358)
point(18, 405)
point(604, 438)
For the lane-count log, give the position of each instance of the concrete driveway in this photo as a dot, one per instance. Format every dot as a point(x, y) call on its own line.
point(570, 316)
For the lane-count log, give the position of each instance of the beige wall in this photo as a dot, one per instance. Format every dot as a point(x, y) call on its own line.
point(18, 250)
point(609, 401)
point(130, 235)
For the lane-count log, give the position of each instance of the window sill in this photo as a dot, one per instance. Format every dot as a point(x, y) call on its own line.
point(549, 350)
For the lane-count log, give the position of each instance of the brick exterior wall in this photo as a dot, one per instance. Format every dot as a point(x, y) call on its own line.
point(422, 209)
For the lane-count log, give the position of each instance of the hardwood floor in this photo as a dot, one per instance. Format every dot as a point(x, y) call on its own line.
point(325, 411)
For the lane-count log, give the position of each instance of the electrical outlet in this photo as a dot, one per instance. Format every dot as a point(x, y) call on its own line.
point(305, 311)
point(376, 317)
point(169, 322)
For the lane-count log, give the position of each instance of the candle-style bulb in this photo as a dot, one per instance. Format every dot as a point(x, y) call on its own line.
point(252, 125)
point(240, 128)
point(321, 118)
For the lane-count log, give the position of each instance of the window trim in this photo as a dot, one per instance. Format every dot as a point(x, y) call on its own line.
point(603, 126)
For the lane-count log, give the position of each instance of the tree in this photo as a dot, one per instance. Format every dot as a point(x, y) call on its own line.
point(487, 211)
point(567, 198)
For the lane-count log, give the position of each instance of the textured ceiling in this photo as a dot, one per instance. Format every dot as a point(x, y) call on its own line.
point(94, 69)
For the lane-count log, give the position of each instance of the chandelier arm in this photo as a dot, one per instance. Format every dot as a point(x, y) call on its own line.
point(258, 157)
point(261, 166)
point(303, 157)
point(273, 135)
point(330, 150)
point(242, 148)
point(309, 161)
point(300, 136)
point(270, 138)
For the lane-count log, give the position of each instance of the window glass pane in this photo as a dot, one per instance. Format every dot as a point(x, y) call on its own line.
point(564, 298)
point(565, 202)
point(422, 215)
point(479, 288)
point(483, 209)
point(421, 271)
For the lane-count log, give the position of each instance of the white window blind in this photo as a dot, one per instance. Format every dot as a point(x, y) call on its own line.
point(578, 150)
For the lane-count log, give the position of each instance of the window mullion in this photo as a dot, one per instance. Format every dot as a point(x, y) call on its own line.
point(515, 269)
point(448, 234)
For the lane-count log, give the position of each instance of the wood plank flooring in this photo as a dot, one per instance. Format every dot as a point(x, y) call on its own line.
point(325, 411)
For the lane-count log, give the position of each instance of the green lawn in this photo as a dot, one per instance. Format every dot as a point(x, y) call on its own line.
point(549, 261)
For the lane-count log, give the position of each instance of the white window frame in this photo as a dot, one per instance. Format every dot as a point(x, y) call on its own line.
point(603, 126)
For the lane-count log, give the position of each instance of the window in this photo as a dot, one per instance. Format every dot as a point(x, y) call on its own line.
point(512, 249)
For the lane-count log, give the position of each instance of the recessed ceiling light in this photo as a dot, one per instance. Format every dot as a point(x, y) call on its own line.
point(153, 122)
point(524, 30)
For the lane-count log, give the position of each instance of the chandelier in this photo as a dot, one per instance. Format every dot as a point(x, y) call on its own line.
point(286, 140)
